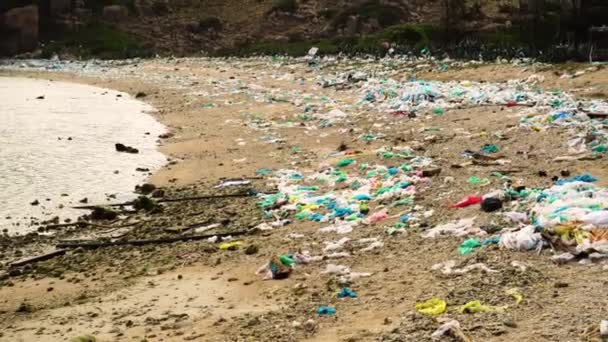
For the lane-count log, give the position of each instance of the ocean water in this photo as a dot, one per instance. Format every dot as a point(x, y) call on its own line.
point(60, 149)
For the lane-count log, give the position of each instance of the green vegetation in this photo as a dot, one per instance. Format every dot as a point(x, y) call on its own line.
point(96, 39)
point(415, 35)
point(407, 36)
point(287, 6)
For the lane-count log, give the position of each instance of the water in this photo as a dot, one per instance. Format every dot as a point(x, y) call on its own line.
point(38, 161)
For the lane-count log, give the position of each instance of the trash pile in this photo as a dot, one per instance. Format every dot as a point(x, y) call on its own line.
point(571, 216)
point(543, 110)
point(345, 196)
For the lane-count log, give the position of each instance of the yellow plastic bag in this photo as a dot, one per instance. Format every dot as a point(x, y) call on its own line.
point(433, 306)
point(514, 292)
point(230, 246)
point(475, 307)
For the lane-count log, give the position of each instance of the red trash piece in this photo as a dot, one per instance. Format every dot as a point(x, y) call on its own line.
point(467, 201)
point(511, 104)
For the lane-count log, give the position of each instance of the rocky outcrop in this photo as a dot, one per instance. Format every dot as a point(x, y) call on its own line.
point(19, 30)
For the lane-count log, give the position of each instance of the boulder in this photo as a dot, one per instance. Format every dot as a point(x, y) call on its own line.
point(115, 13)
point(19, 30)
point(352, 26)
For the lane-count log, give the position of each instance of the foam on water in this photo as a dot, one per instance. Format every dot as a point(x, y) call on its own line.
point(39, 162)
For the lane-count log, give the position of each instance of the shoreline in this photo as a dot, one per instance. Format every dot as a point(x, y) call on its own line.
point(236, 118)
point(128, 127)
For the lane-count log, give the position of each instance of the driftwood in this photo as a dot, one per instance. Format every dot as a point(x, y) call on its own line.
point(100, 244)
point(597, 115)
point(168, 200)
point(37, 258)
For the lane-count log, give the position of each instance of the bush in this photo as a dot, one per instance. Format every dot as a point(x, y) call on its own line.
point(286, 6)
point(407, 34)
point(210, 23)
point(96, 39)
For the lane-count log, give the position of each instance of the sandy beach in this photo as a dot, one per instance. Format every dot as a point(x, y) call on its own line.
point(245, 118)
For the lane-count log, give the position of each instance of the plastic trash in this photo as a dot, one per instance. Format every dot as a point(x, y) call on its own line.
point(279, 267)
point(230, 246)
point(336, 269)
point(491, 204)
point(326, 311)
point(478, 181)
point(597, 218)
point(587, 178)
point(517, 217)
point(487, 149)
point(525, 239)
point(344, 162)
point(433, 306)
point(230, 183)
point(476, 307)
point(468, 246)
point(458, 228)
point(451, 327)
point(377, 217)
point(332, 246)
point(372, 246)
point(604, 328)
point(514, 292)
point(346, 292)
point(467, 201)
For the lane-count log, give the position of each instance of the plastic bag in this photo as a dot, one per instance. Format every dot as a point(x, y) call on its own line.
point(433, 306)
point(476, 306)
point(523, 240)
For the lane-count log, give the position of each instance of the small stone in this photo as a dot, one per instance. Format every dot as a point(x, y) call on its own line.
point(509, 323)
point(560, 285)
point(431, 172)
point(310, 325)
point(251, 249)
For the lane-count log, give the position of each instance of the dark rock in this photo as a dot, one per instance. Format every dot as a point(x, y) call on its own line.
point(142, 169)
point(252, 249)
point(101, 213)
point(145, 188)
point(158, 193)
point(431, 173)
point(20, 26)
point(140, 95)
point(147, 204)
point(166, 135)
point(36, 202)
point(24, 308)
point(84, 200)
point(124, 148)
